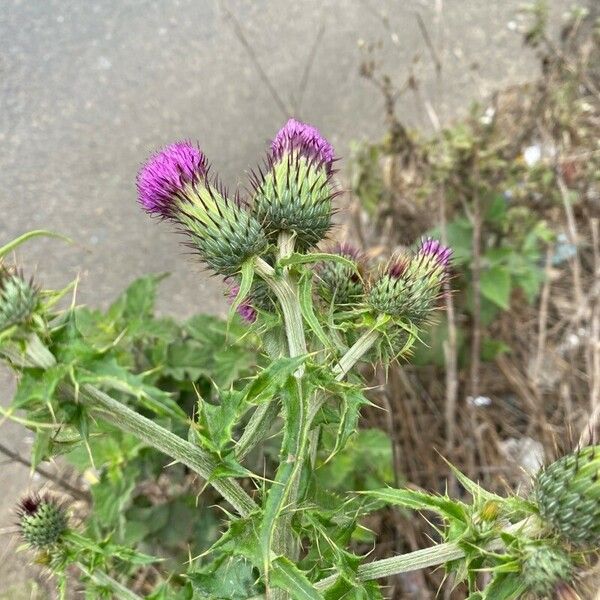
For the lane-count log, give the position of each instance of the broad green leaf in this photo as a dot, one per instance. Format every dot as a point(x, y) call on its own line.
point(364, 463)
point(109, 374)
point(504, 586)
point(229, 578)
point(496, 286)
point(216, 421)
point(137, 301)
point(351, 402)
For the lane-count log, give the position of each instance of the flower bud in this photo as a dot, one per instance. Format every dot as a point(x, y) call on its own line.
point(341, 284)
point(18, 298)
point(567, 494)
point(410, 288)
point(42, 521)
point(295, 192)
point(174, 184)
point(543, 567)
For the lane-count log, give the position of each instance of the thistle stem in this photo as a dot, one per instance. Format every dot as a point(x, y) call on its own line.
point(359, 349)
point(428, 557)
point(103, 579)
point(258, 427)
point(286, 291)
point(125, 419)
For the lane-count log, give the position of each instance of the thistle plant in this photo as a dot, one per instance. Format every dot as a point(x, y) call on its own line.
point(313, 316)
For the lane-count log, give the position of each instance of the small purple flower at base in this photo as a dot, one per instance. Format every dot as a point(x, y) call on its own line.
point(245, 309)
point(347, 250)
point(305, 138)
point(166, 174)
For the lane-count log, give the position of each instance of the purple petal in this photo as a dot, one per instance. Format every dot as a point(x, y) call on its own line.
point(295, 135)
point(166, 173)
point(433, 248)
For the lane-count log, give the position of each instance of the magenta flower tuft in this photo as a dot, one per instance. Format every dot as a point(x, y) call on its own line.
point(166, 174)
point(434, 249)
point(347, 250)
point(397, 268)
point(295, 135)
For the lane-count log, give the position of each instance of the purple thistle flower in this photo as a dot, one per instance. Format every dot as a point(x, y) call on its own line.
point(295, 135)
point(434, 249)
point(166, 174)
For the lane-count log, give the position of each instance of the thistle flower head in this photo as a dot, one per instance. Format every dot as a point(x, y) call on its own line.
point(410, 287)
point(567, 493)
point(19, 298)
point(166, 175)
point(174, 184)
point(42, 520)
point(339, 283)
point(543, 567)
point(294, 192)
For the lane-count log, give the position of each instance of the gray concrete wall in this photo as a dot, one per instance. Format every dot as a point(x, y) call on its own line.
point(89, 88)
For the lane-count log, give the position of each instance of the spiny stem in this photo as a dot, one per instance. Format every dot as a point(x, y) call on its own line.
point(258, 427)
point(122, 417)
point(103, 579)
point(428, 557)
point(125, 419)
point(354, 354)
point(285, 289)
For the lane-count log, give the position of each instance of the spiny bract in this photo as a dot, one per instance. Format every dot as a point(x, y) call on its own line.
point(543, 567)
point(567, 494)
point(18, 298)
point(338, 283)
